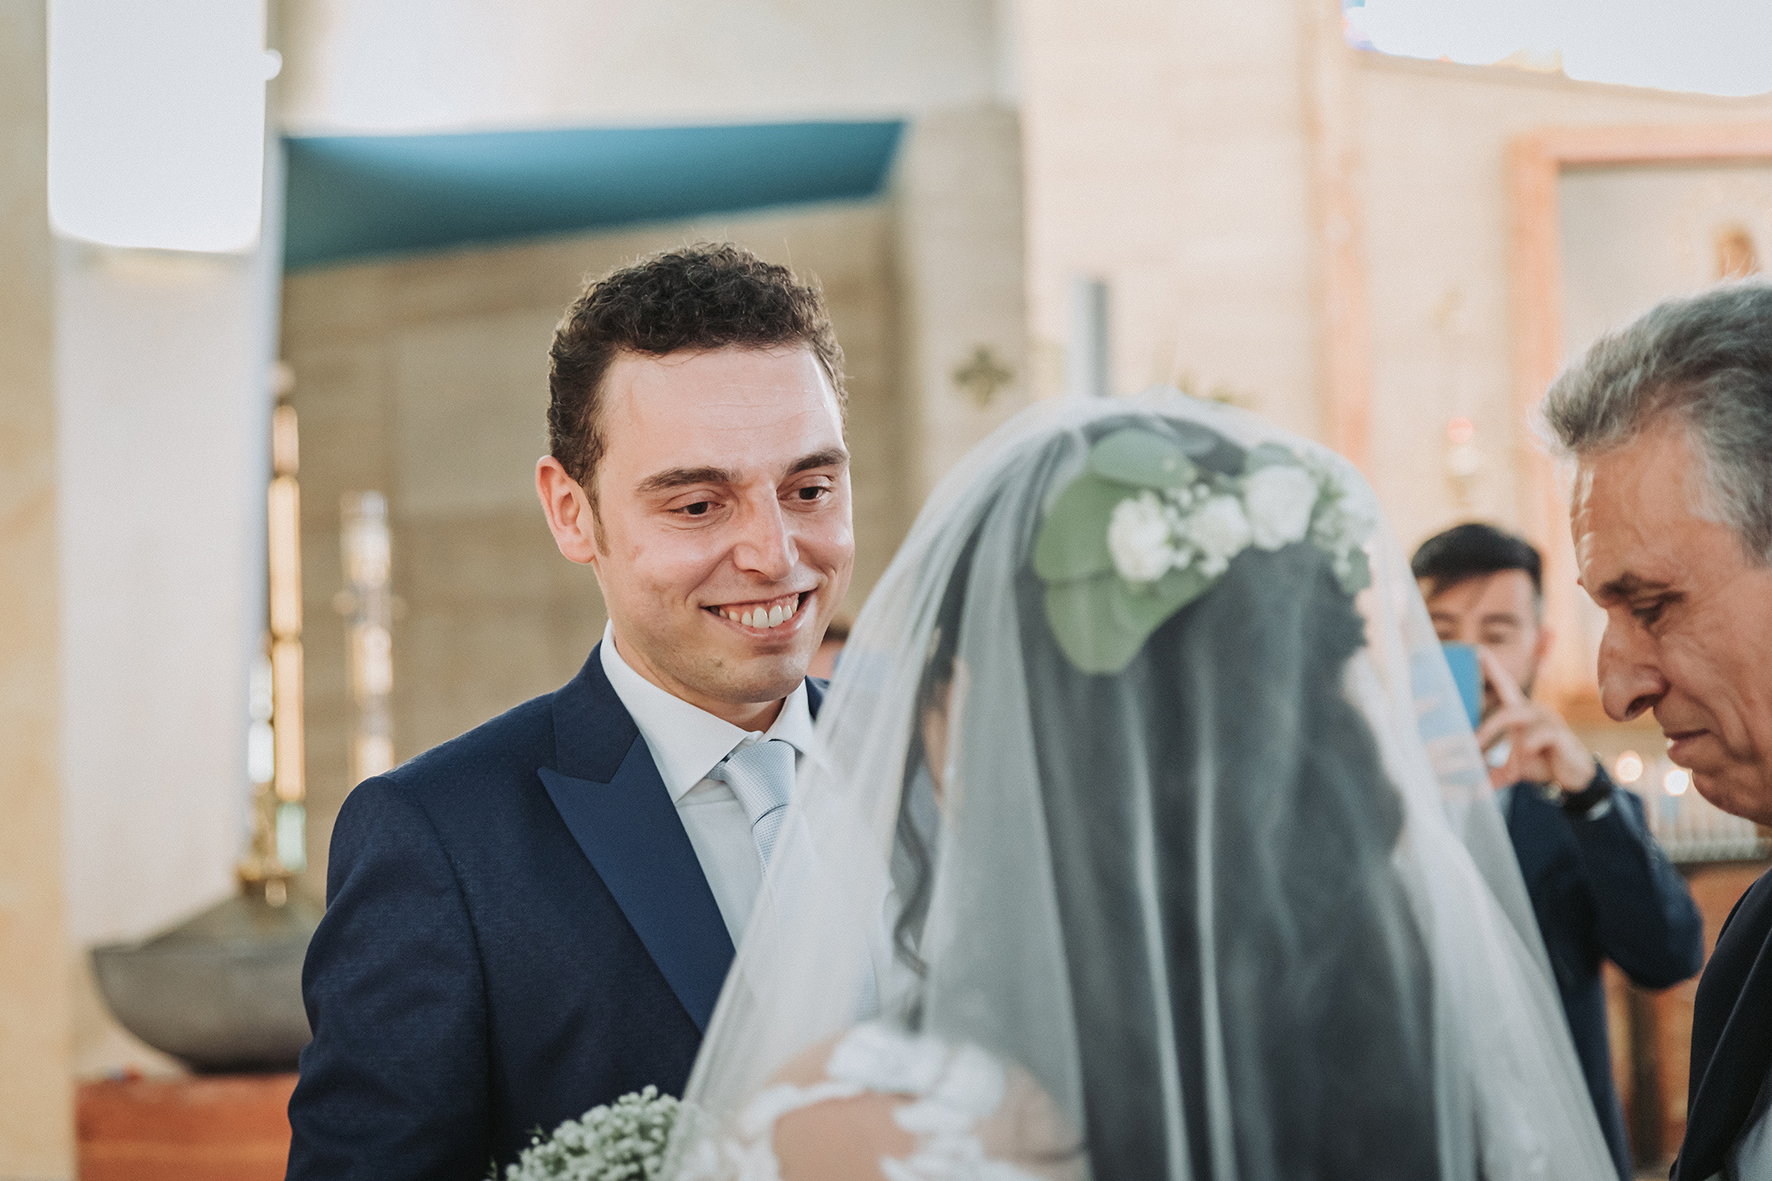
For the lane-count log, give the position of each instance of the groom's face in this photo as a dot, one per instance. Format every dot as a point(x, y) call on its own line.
point(721, 530)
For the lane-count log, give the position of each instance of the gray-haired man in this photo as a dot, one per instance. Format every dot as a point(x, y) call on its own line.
point(1670, 422)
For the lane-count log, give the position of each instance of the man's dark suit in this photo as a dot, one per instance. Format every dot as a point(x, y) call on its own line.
point(1602, 889)
point(517, 929)
point(1731, 1036)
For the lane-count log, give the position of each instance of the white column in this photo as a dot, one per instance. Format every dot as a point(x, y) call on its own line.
point(163, 389)
point(36, 1095)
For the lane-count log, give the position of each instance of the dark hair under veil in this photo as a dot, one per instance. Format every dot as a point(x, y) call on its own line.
point(1318, 952)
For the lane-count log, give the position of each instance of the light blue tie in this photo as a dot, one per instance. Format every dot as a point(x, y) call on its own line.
point(762, 777)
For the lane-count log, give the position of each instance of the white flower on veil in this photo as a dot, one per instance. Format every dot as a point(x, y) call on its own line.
point(1138, 538)
point(1279, 498)
point(1220, 530)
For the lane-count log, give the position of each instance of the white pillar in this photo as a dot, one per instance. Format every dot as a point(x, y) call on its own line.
point(163, 389)
point(36, 1094)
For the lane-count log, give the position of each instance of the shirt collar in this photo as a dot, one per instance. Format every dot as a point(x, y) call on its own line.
point(686, 741)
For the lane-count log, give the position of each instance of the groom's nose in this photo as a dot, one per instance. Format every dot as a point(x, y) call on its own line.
point(765, 546)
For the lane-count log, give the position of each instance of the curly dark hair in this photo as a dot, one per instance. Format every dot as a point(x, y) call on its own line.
point(708, 295)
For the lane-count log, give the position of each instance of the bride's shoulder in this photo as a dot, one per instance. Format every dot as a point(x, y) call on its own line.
point(876, 1101)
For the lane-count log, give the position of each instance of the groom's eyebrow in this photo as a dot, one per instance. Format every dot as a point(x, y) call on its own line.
point(682, 477)
point(829, 457)
point(679, 477)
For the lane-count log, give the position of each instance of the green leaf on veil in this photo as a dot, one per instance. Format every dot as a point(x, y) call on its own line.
point(1206, 447)
point(1268, 455)
point(1073, 538)
point(1142, 459)
point(1354, 571)
point(1102, 621)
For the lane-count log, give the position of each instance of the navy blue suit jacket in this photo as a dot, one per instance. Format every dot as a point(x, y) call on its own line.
point(1602, 889)
point(517, 930)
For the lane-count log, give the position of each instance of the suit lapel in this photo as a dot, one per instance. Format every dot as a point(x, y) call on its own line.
point(608, 791)
point(610, 795)
point(629, 830)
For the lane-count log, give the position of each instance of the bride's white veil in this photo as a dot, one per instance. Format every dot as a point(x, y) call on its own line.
point(1243, 906)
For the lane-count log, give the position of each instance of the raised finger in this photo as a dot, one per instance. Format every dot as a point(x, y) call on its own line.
point(1506, 688)
point(1507, 718)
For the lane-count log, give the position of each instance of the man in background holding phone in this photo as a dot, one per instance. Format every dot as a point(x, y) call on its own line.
point(1600, 886)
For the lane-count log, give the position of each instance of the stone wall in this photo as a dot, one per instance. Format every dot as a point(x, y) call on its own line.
point(1167, 153)
point(1239, 175)
point(958, 194)
point(1438, 233)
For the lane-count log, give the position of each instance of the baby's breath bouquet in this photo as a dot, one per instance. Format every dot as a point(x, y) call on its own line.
point(621, 1141)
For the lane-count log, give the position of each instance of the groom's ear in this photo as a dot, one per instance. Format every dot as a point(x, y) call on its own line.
point(572, 519)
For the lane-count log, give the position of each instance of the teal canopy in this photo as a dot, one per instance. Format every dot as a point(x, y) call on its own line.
point(360, 196)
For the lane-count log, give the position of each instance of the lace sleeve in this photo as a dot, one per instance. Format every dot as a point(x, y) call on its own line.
point(881, 1105)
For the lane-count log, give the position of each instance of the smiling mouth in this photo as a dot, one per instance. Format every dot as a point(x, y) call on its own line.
point(769, 613)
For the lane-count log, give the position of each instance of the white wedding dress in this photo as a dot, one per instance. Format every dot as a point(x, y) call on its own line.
point(953, 1101)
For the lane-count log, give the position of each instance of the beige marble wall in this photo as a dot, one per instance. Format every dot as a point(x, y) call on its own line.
point(36, 1049)
point(1433, 139)
point(426, 378)
point(957, 191)
point(1167, 153)
point(1634, 236)
point(1196, 158)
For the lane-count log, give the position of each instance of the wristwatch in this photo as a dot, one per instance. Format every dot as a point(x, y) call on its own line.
point(1580, 801)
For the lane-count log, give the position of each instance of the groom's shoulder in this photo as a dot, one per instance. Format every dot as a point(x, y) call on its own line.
point(482, 768)
point(522, 736)
point(470, 772)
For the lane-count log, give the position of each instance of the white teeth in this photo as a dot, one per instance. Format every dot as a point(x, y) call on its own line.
point(764, 618)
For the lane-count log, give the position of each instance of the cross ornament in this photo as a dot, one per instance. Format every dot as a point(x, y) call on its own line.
point(982, 376)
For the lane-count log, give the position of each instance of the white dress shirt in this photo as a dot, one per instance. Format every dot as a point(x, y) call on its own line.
point(686, 742)
point(1750, 1159)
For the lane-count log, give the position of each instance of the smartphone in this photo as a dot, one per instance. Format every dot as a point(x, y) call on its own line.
point(1467, 674)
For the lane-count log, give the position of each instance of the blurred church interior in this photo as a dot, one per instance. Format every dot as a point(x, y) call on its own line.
point(1003, 200)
